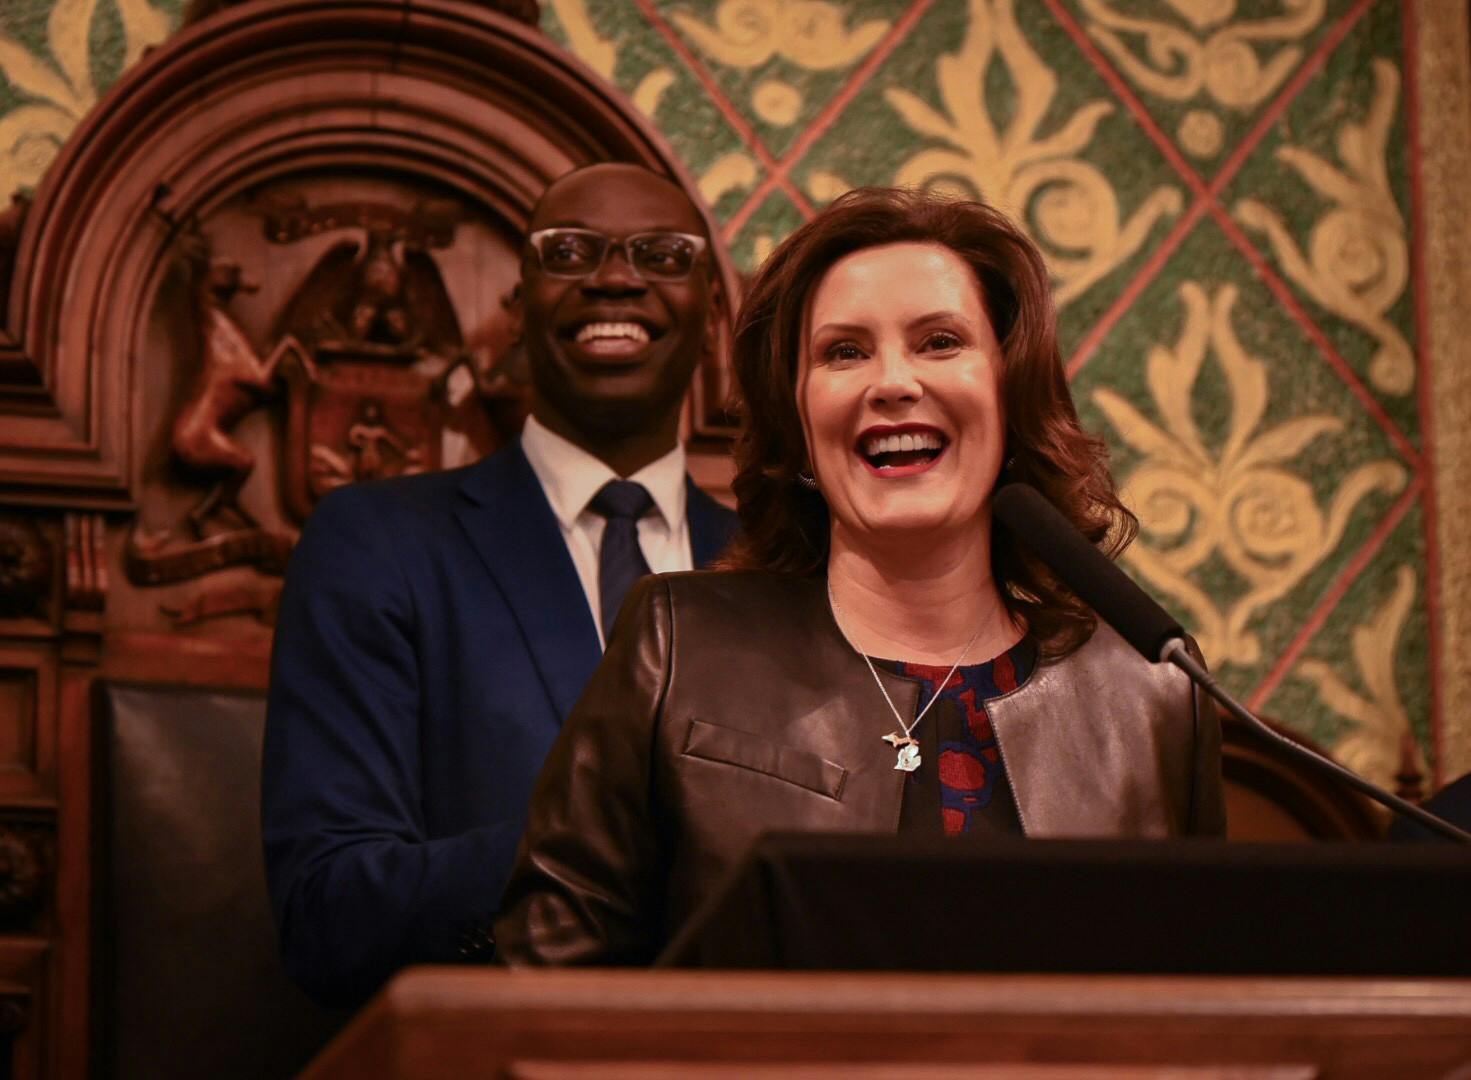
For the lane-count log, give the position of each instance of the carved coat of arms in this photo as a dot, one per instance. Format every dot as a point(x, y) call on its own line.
point(368, 368)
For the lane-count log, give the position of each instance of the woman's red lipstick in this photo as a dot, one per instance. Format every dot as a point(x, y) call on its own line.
point(894, 451)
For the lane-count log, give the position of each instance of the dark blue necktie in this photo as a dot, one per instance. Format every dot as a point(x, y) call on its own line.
point(621, 562)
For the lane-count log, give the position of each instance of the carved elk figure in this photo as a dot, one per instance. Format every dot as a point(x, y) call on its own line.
point(232, 380)
point(369, 376)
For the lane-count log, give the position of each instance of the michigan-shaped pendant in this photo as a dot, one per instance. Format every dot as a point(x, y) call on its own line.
point(908, 749)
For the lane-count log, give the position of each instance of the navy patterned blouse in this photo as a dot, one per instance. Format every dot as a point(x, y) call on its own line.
point(960, 786)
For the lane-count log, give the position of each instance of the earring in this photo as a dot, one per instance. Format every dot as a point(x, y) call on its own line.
point(807, 480)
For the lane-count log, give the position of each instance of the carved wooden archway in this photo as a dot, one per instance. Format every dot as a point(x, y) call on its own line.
point(447, 93)
point(250, 147)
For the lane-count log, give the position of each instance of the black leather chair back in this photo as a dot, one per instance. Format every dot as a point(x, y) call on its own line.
point(190, 981)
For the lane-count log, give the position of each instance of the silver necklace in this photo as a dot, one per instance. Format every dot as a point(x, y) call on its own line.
point(903, 740)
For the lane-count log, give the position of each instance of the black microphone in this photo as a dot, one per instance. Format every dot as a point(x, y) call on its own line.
point(1121, 603)
point(1085, 570)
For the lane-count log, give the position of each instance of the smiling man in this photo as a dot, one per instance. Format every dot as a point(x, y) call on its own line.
point(435, 630)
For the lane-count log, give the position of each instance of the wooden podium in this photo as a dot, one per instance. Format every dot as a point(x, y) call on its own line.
point(438, 1022)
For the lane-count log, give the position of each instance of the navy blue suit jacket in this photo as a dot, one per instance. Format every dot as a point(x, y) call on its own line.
point(432, 637)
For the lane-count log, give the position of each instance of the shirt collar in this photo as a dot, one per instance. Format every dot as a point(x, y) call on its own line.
point(571, 476)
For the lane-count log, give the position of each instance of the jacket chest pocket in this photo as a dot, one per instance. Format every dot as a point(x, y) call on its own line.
point(729, 746)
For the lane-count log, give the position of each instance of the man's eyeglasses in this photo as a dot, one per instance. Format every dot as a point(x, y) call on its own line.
point(656, 256)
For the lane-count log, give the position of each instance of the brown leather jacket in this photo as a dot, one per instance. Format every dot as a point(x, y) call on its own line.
point(729, 704)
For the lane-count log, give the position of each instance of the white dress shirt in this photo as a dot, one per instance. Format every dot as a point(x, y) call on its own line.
point(571, 476)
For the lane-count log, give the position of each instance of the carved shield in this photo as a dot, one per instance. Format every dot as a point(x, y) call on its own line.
point(352, 416)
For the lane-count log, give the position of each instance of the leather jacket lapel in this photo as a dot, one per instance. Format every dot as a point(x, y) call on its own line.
point(511, 526)
point(878, 755)
point(854, 719)
point(1088, 744)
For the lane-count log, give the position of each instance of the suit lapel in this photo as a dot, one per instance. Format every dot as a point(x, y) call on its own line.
point(511, 525)
point(711, 525)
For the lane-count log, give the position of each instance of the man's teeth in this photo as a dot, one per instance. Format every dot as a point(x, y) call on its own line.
point(894, 444)
point(596, 330)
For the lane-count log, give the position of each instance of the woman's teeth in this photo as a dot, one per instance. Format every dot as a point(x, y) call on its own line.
point(898, 451)
point(600, 331)
point(895, 444)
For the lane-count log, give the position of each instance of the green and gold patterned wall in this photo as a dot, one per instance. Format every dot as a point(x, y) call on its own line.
point(1233, 198)
point(56, 56)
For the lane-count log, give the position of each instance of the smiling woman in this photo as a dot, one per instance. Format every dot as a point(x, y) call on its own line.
point(952, 300)
point(875, 657)
point(899, 393)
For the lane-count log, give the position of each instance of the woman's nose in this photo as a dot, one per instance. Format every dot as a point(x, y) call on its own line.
point(895, 379)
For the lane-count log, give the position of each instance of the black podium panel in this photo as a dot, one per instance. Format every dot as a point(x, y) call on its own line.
point(828, 902)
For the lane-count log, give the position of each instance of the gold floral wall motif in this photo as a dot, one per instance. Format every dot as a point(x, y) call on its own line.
point(601, 54)
point(591, 47)
point(59, 90)
point(1379, 726)
point(1240, 500)
point(1039, 177)
point(1357, 260)
point(809, 33)
point(750, 36)
point(1206, 52)
point(733, 172)
point(1149, 148)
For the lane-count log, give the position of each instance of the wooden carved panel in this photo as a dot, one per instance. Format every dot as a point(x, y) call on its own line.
point(310, 332)
point(28, 686)
point(23, 1024)
point(27, 870)
point(391, 113)
point(25, 567)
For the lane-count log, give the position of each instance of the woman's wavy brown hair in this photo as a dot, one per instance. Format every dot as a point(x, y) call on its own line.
point(785, 526)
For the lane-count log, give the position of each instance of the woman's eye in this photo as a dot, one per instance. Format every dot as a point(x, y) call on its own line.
point(843, 351)
point(944, 341)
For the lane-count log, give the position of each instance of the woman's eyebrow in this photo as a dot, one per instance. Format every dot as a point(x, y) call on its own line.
point(943, 315)
point(937, 316)
point(839, 328)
